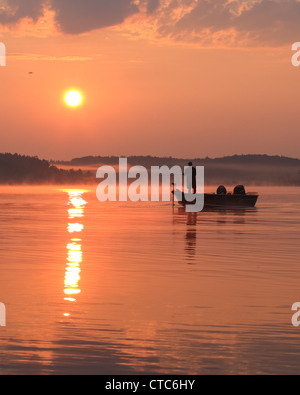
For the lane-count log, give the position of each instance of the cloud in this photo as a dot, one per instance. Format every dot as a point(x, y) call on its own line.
point(271, 21)
point(202, 22)
point(72, 16)
point(152, 6)
point(48, 58)
point(16, 10)
point(264, 22)
point(79, 16)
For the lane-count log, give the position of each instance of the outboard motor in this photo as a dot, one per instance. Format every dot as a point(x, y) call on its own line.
point(221, 190)
point(239, 190)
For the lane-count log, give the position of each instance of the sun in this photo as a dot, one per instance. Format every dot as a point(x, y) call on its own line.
point(73, 98)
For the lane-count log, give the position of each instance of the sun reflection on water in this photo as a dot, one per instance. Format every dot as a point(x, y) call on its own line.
point(74, 247)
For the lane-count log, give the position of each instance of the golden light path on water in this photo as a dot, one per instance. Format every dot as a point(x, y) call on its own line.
point(160, 291)
point(76, 205)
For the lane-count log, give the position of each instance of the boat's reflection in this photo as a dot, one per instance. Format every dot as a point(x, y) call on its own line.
point(76, 206)
point(192, 220)
point(191, 237)
point(222, 215)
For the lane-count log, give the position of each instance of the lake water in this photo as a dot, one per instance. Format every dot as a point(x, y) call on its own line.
point(124, 288)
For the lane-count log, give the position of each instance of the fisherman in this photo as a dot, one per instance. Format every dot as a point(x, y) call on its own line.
point(191, 175)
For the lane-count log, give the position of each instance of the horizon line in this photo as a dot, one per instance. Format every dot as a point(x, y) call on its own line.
point(153, 157)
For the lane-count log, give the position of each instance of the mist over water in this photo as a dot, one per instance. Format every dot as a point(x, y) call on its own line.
point(112, 288)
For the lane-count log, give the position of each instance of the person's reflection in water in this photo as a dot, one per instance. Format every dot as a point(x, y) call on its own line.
point(222, 217)
point(191, 237)
point(240, 217)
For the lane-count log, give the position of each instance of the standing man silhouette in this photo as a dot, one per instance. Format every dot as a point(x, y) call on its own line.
point(191, 175)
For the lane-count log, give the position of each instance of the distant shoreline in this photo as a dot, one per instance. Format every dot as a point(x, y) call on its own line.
point(258, 170)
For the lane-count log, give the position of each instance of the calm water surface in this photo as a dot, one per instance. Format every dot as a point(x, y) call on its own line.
point(117, 288)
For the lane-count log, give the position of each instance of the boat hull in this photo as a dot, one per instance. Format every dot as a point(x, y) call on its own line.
point(221, 201)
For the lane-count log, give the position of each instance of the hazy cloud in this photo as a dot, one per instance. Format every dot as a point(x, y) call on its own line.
point(152, 6)
point(257, 22)
point(272, 22)
point(79, 16)
point(14, 10)
point(72, 16)
point(48, 58)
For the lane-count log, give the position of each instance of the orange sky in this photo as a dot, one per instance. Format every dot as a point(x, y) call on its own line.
point(203, 79)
